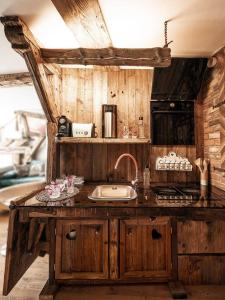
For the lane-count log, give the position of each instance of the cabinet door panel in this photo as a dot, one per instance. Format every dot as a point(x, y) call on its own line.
point(82, 249)
point(22, 249)
point(145, 248)
point(201, 237)
point(196, 269)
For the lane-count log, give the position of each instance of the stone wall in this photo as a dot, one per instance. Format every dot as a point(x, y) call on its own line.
point(213, 100)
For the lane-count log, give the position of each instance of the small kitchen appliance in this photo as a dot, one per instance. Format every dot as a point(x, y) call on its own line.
point(86, 130)
point(109, 121)
point(64, 127)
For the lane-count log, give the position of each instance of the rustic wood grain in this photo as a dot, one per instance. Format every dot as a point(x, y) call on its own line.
point(153, 57)
point(201, 269)
point(18, 259)
point(201, 237)
point(85, 257)
point(114, 249)
point(15, 79)
point(142, 255)
point(86, 21)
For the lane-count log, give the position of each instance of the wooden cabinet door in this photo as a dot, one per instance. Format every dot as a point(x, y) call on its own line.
point(81, 249)
point(23, 247)
point(145, 248)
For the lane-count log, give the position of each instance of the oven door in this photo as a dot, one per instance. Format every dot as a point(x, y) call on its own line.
point(172, 126)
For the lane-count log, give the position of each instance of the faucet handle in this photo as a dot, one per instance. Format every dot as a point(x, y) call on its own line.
point(134, 182)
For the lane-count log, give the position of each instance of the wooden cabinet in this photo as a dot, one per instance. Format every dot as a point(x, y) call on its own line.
point(81, 249)
point(145, 248)
point(201, 252)
point(86, 250)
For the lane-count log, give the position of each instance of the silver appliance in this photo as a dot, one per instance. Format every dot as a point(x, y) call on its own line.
point(109, 121)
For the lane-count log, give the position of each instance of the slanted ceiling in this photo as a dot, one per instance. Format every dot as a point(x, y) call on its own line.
point(180, 81)
point(197, 27)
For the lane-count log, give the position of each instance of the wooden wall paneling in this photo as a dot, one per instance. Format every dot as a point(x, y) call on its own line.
point(113, 86)
point(68, 159)
point(122, 110)
point(83, 160)
point(88, 94)
point(100, 96)
point(142, 98)
point(81, 113)
point(157, 176)
point(114, 151)
point(99, 162)
point(70, 89)
point(172, 176)
point(131, 116)
point(55, 82)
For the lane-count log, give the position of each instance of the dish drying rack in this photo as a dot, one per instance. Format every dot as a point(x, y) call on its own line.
point(172, 162)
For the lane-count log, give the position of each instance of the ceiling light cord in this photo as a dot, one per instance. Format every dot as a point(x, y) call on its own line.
point(165, 34)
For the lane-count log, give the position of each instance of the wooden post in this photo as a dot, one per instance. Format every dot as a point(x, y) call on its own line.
point(51, 152)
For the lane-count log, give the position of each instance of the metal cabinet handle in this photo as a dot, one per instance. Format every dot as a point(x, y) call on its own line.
point(72, 235)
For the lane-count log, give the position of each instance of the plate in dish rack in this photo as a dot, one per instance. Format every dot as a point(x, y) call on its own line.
point(44, 197)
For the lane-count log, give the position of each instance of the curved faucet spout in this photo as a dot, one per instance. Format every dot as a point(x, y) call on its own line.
point(135, 164)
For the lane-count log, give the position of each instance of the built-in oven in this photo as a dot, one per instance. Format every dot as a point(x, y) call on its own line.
point(172, 122)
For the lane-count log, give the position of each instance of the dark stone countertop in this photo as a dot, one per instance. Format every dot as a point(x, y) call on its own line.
point(203, 198)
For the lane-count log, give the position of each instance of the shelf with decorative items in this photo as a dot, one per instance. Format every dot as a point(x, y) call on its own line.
point(75, 140)
point(172, 162)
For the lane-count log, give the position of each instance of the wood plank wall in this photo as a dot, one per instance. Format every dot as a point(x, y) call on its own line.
point(80, 96)
point(85, 90)
point(213, 97)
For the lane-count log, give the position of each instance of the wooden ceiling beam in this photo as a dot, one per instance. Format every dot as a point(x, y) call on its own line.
point(153, 57)
point(15, 79)
point(23, 41)
point(85, 19)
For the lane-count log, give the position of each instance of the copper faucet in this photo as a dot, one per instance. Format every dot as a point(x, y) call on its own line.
point(133, 182)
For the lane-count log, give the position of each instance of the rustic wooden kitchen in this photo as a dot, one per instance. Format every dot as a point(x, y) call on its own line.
point(119, 226)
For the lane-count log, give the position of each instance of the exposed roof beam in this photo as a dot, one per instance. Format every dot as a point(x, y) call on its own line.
point(23, 41)
point(85, 19)
point(15, 79)
point(154, 57)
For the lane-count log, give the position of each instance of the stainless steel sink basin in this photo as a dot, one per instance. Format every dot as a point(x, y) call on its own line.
point(113, 193)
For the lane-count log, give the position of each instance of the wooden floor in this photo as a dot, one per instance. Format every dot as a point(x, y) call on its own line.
point(34, 279)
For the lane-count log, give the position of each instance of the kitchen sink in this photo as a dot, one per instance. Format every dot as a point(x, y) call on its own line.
point(113, 193)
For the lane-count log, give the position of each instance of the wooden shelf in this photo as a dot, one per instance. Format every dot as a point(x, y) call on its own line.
point(73, 140)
